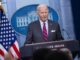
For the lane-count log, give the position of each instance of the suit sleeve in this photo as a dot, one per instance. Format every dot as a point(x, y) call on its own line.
point(59, 36)
point(29, 35)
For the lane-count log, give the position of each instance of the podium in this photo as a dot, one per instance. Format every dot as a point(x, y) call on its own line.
point(28, 49)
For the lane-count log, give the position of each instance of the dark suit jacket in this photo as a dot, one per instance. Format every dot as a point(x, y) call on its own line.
point(35, 35)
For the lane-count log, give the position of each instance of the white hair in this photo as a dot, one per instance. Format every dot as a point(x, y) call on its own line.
point(41, 5)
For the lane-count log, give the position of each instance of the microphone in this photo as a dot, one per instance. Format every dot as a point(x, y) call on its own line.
point(66, 33)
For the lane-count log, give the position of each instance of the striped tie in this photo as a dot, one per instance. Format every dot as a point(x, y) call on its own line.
point(45, 35)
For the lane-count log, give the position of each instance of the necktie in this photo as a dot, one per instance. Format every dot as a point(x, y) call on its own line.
point(45, 35)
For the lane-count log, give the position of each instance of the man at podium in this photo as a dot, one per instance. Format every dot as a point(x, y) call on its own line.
point(43, 29)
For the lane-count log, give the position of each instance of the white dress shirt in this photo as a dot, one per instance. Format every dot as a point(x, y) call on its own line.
point(46, 24)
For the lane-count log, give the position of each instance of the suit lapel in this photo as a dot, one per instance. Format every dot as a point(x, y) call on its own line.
point(49, 29)
point(39, 28)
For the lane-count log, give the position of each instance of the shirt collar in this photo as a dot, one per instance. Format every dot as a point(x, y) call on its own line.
point(42, 22)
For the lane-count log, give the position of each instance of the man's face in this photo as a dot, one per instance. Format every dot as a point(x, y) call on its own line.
point(43, 13)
